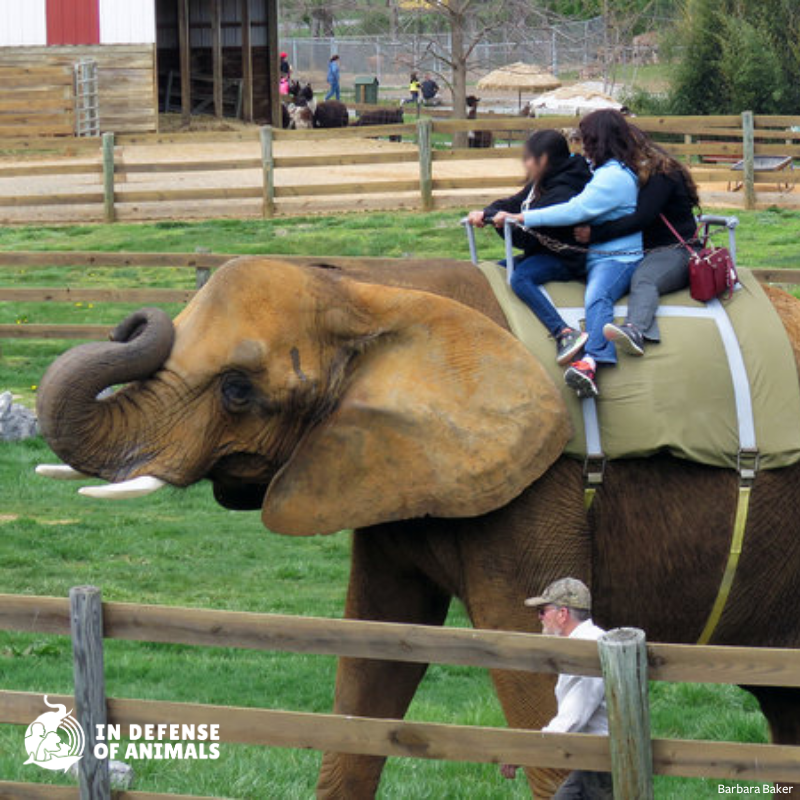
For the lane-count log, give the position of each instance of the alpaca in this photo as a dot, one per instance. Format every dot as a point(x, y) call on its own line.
point(383, 116)
point(331, 114)
point(302, 117)
point(477, 138)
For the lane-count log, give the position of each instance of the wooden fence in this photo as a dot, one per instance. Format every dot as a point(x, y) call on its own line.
point(36, 100)
point(622, 658)
point(201, 263)
point(712, 146)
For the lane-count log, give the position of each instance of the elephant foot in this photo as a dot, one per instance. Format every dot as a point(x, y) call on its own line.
point(349, 777)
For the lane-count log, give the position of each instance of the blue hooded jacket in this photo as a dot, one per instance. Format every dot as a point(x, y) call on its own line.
point(333, 72)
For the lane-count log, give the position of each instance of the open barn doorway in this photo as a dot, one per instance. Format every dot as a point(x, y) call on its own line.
point(218, 57)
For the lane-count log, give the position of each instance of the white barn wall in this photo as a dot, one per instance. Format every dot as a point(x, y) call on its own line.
point(127, 21)
point(22, 23)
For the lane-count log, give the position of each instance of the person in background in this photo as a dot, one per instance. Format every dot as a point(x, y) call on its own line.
point(413, 90)
point(564, 609)
point(667, 191)
point(286, 68)
point(611, 148)
point(334, 75)
point(430, 92)
point(553, 176)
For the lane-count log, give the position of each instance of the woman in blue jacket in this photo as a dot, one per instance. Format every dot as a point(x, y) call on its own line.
point(611, 194)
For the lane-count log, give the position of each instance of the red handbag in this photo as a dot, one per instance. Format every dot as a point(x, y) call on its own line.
point(712, 272)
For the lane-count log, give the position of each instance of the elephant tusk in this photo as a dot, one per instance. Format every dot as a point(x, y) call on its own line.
point(136, 487)
point(60, 472)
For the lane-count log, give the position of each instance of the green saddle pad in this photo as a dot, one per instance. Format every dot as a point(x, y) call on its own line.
point(722, 379)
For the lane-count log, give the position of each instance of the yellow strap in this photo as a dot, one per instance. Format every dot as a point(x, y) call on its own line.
point(739, 525)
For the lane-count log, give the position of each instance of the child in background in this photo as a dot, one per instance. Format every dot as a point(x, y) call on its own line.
point(413, 90)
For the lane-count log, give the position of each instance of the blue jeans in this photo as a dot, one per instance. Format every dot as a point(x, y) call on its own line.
point(529, 274)
point(334, 92)
point(607, 281)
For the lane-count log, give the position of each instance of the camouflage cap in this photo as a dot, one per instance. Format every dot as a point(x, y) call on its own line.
point(569, 592)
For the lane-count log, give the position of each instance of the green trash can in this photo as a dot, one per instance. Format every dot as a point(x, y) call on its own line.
point(367, 90)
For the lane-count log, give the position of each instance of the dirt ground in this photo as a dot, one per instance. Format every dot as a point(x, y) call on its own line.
point(506, 171)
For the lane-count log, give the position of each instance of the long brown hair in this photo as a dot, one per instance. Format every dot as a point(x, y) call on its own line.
point(654, 160)
point(606, 135)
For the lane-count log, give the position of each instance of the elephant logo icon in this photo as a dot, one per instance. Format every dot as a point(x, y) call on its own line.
point(55, 739)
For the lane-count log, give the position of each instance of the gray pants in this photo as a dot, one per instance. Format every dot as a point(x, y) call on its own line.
point(583, 785)
point(660, 272)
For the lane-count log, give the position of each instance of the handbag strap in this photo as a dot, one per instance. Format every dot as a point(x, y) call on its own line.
point(676, 234)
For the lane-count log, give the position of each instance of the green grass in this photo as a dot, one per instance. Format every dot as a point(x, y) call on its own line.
point(180, 548)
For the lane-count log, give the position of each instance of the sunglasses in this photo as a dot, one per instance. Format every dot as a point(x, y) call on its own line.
point(545, 610)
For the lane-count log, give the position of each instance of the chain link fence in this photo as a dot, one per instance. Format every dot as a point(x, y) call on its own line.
point(569, 46)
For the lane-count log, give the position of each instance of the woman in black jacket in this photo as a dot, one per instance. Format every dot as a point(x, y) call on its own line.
point(554, 176)
point(667, 190)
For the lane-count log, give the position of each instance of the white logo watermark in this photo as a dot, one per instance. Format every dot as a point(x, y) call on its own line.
point(55, 739)
point(766, 788)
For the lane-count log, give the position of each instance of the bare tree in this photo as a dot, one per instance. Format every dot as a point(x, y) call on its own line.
point(470, 23)
point(621, 20)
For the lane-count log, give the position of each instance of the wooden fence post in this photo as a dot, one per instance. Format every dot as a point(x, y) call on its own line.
point(749, 155)
point(86, 621)
point(201, 274)
point(108, 177)
point(424, 137)
point(623, 657)
point(268, 166)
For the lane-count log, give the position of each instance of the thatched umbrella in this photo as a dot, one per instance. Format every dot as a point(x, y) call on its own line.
point(519, 77)
point(576, 99)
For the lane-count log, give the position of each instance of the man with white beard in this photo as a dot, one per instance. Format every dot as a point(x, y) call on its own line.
point(565, 610)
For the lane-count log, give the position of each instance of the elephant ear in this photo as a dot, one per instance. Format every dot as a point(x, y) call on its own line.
point(442, 413)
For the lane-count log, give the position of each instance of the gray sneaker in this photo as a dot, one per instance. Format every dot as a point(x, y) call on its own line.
point(570, 343)
point(627, 337)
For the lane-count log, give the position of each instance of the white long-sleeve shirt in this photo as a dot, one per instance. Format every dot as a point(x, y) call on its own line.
point(581, 699)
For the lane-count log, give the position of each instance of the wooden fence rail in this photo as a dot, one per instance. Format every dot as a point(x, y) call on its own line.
point(703, 141)
point(623, 659)
point(200, 262)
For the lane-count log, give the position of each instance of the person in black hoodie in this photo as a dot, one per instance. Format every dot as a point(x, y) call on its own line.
point(668, 192)
point(554, 176)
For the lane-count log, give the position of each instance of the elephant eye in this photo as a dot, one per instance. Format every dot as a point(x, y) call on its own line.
point(237, 392)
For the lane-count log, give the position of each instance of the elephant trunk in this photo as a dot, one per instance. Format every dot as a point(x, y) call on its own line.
point(75, 423)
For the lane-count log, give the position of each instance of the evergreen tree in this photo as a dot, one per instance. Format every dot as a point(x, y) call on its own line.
point(738, 55)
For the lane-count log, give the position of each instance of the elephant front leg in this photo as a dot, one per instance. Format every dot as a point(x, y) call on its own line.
point(384, 589)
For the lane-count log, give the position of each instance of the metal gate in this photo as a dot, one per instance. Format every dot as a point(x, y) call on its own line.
point(87, 108)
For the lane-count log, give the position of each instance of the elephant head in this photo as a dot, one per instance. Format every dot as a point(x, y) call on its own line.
point(327, 402)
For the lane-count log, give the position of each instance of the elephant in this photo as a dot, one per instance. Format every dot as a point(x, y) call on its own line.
point(395, 401)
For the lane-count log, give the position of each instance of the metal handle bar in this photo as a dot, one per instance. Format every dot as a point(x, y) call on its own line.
point(508, 224)
point(731, 223)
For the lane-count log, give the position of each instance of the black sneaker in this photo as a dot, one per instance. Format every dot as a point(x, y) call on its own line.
point(628, 337)
point(570, 342)
point(582, 377)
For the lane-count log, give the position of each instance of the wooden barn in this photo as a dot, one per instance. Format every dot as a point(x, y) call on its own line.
point(87, 66)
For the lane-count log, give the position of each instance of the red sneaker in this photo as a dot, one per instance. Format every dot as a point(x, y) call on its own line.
point(582, 377)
